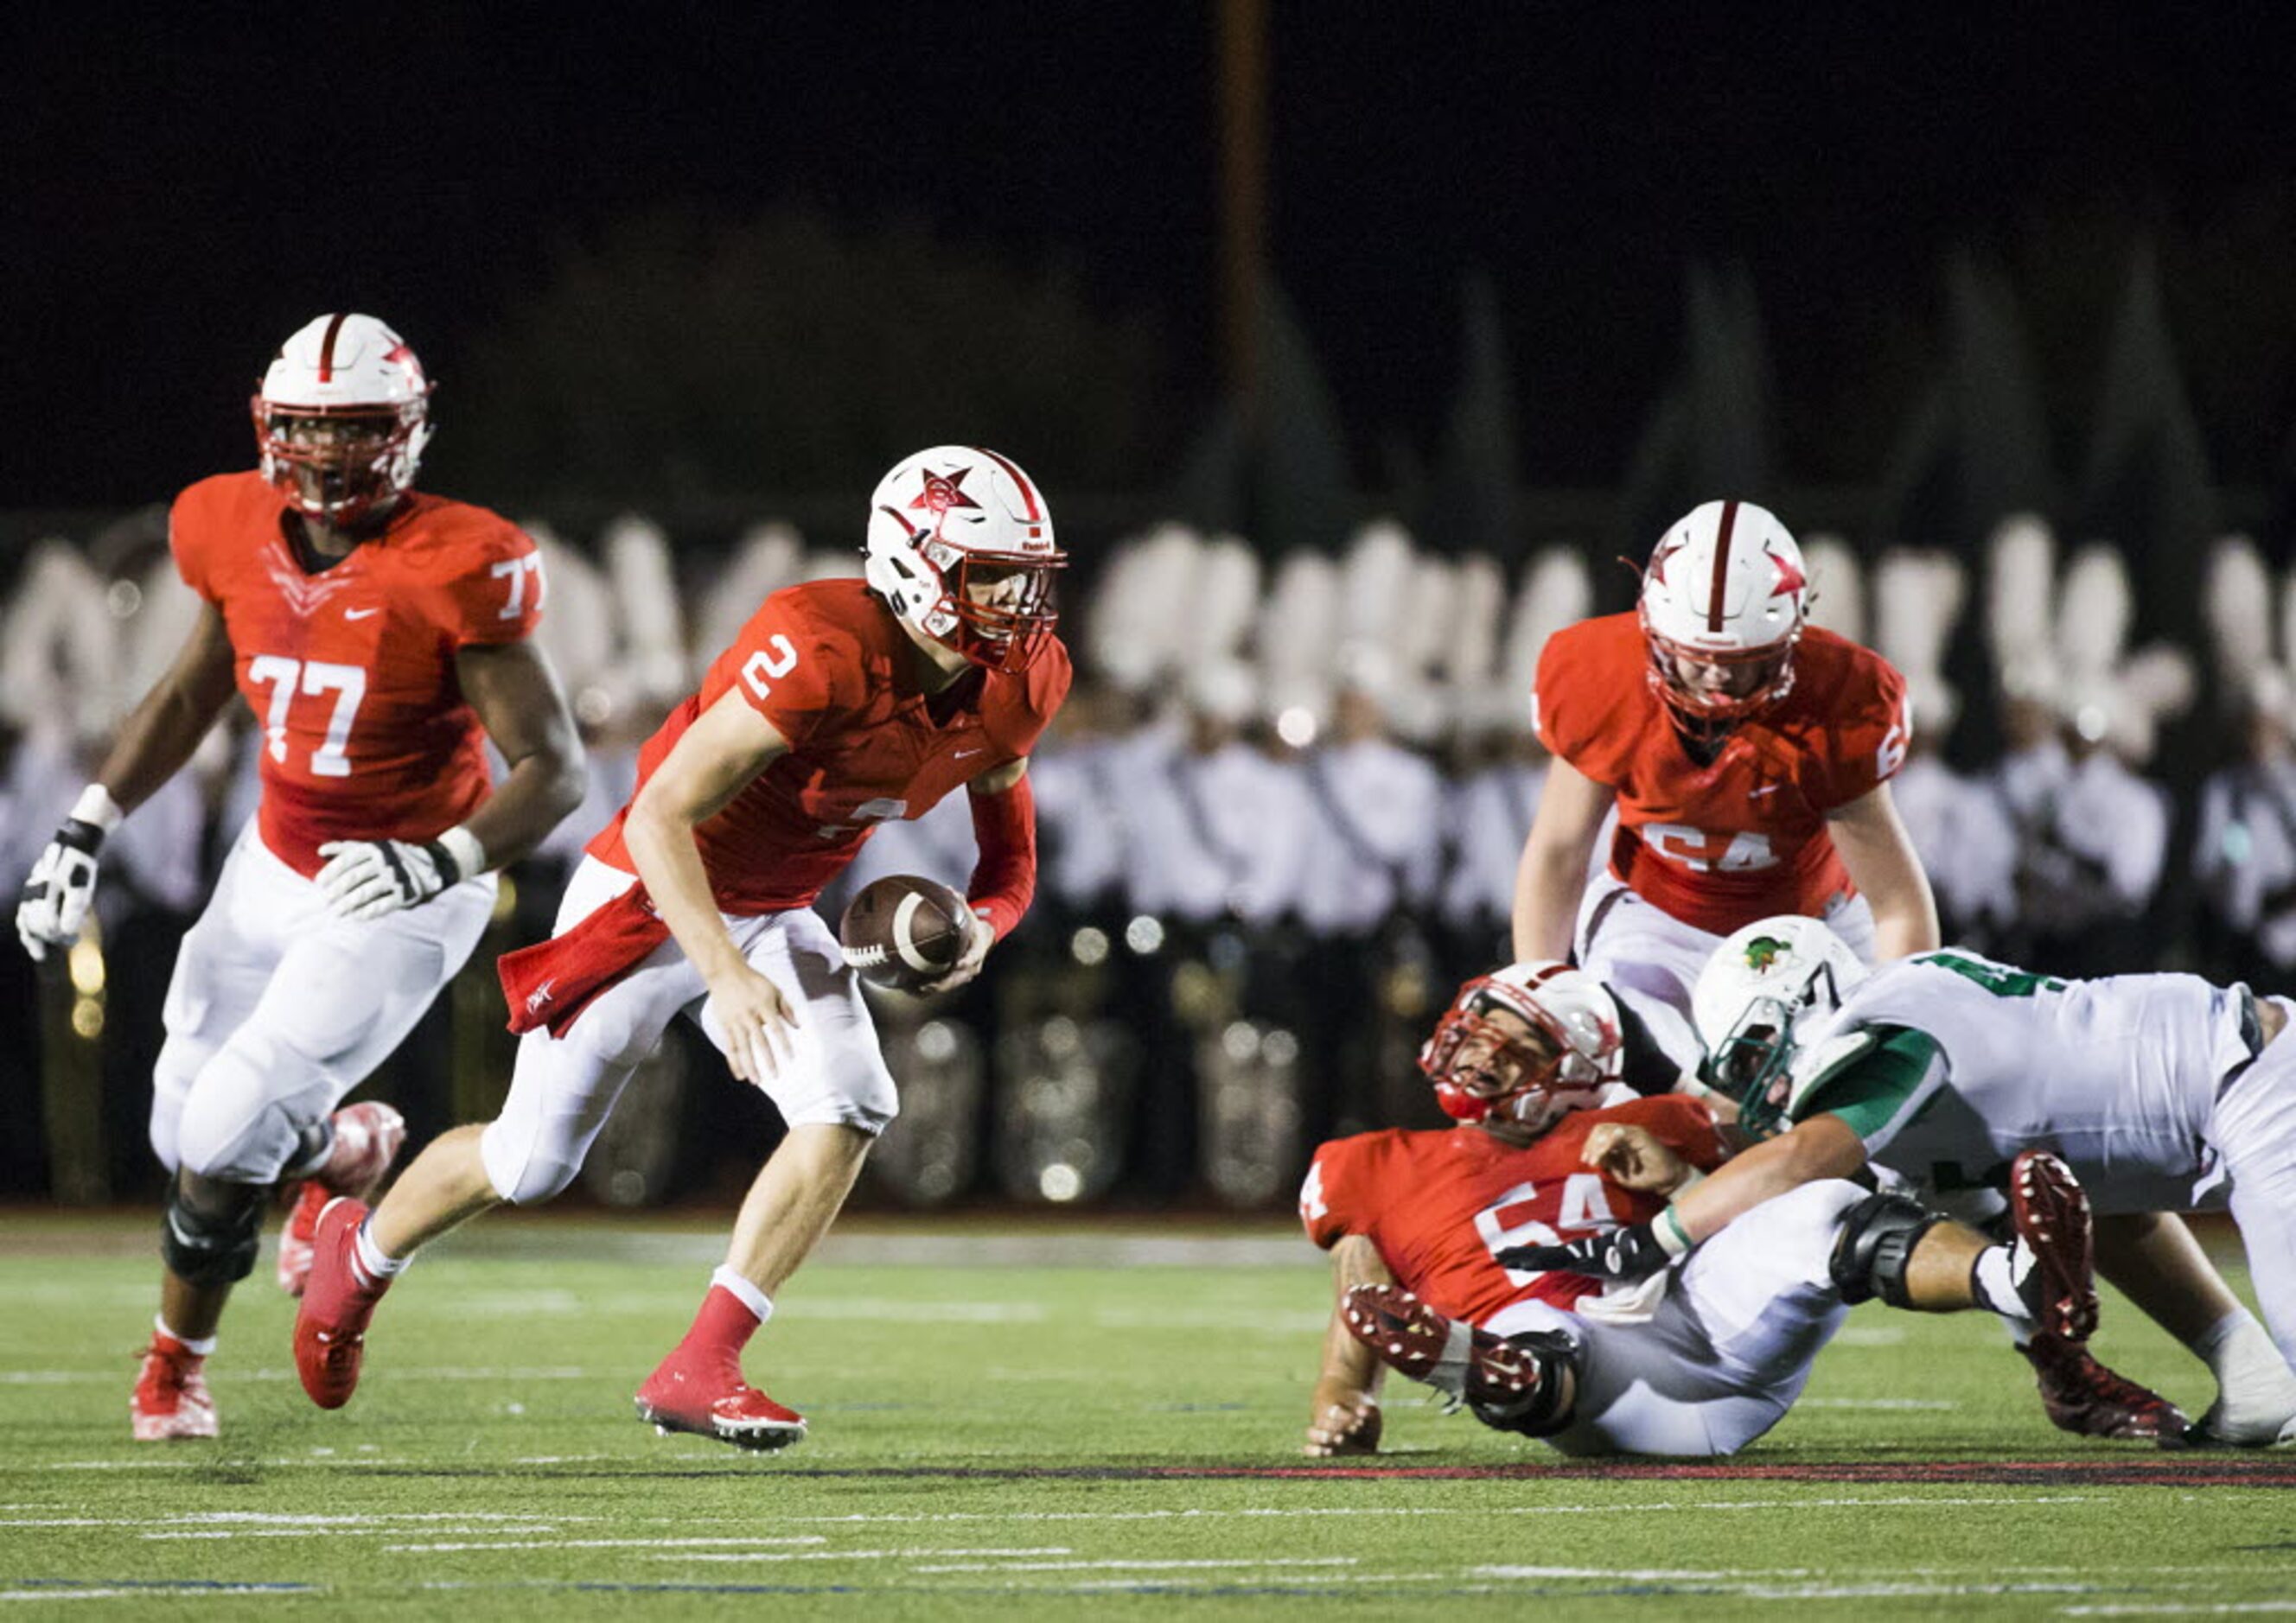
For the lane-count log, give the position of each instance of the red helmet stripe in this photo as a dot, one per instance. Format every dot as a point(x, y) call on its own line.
point(327, 348)
point(1028, 491)
point(1721, 565)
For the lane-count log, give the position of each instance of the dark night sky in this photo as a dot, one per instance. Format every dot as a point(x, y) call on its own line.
point(178, 195)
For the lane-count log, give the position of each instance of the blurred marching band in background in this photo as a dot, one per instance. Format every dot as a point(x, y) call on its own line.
point(1281, 812)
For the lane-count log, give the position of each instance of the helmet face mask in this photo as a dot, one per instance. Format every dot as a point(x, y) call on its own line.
point(1759, 997)
point(961, 546)
point(1722, 607)
point(1753, 1064)
point(341, 418)
point(1524, 1045)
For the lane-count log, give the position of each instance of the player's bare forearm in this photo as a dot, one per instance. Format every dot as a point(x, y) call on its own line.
point(519, 702)
point(1343, 1413)
point(1551, 877)
point(727, 745)
point(1546, 893)
point(166, 726)
point(1879, 856)
point(1822, 1147)
point(669, 864)
point(1349, 1367)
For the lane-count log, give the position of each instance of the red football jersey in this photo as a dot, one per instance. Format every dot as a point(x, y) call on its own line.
point(351, 670)
point(831, 667)
point(1440, 1204)
point(1722, 845)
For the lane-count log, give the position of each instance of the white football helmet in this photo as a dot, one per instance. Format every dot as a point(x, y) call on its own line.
point(343, 416)
point(1723, 602)
point(961, 545)
point(1482, 1072)
point(1759, 997)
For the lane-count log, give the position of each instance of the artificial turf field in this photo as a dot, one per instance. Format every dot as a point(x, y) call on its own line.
point(1024, 1419)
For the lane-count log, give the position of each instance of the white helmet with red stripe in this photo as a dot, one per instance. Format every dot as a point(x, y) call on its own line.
point(1722, 606)
point(961, 545)
point(1562, 1055)
point(343, 417)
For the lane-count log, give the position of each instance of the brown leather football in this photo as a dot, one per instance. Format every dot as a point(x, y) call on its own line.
point(902, 931)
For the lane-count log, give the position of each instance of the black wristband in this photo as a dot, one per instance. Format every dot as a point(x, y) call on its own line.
point(450, 871)
point(81, 835)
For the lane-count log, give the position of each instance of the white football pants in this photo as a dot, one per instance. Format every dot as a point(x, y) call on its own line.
point(1727, 1351)
point(2252, 1131)
point(565, 1087)
point(278, 1008)
point(1651, 960)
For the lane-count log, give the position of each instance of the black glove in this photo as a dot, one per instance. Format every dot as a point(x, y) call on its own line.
point(62, 883)
point(1632, 1252)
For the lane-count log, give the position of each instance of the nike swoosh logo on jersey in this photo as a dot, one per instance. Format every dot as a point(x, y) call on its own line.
point(359, 614)
point(1766, 788)
point(961, 754)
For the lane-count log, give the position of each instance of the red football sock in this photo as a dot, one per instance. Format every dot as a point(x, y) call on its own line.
point(724, 1325)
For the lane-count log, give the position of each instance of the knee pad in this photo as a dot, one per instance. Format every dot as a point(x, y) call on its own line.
point(1542, 1414)
point(1876, 1241)
point(210, 1231)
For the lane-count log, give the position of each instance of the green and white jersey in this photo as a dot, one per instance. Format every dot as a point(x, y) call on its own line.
point(1947, 1064)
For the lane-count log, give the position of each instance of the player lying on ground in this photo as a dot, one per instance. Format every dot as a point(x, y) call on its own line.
point(2163, 1093)
point(1748, 757)
point(1699, 1360)
point(841, 706)
point(381, 635)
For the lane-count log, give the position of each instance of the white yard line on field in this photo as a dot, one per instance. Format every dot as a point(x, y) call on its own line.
point(599, 1544)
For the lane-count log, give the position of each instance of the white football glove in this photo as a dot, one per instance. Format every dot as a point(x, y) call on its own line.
point(366, 879)
point(62, 883)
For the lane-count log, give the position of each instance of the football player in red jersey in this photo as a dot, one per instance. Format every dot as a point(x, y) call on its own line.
point(841, 705)
point(1747, 755)
point(382, 637)
point(1428, 1232)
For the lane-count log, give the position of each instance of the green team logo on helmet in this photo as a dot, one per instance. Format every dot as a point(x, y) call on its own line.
point(1763, 951)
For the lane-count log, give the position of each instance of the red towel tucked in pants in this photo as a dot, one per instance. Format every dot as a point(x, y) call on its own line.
point(552, 982)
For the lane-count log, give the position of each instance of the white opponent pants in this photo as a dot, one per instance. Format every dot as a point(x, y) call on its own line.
point(279, 1007)
point(2251, 1133)
point(565, 1087)
point(1651, 960)
point(1727, 1351)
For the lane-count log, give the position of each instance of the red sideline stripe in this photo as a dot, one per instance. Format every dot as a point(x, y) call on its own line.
point(327, 348)
point(1721, 565)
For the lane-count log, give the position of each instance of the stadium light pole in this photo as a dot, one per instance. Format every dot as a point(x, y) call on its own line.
point(1243, 193)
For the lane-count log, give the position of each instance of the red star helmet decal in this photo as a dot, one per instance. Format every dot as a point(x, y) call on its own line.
point(942, 492)
point(1665, 556)
point(1790, 578)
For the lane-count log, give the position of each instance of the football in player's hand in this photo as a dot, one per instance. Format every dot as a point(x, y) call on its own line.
point(903, 933)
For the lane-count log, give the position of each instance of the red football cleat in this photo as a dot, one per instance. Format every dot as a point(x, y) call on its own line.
point(1457, 1359)
point(2085, 1397)
point(2051, 1216)
point(171, 1396)
point(708, 1397)
point(368, 1137)
point(330, 1325)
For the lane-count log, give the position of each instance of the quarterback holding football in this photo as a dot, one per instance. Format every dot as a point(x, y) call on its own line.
point(843, 704)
